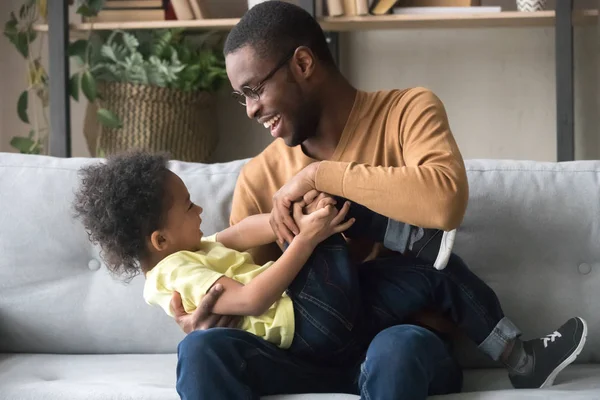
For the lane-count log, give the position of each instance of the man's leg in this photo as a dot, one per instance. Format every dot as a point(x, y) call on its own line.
point(222, 363)
point(410, 363)
point(398, 287)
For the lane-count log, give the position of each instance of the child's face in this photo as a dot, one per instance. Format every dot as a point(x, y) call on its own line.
point(182, 227)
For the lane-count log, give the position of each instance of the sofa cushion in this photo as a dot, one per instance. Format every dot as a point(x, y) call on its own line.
point(152, 376)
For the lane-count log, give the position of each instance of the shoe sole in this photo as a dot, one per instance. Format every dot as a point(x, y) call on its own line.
point(550, 380)
point(446, 245)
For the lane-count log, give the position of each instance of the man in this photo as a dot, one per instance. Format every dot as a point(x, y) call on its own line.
point(392, 152)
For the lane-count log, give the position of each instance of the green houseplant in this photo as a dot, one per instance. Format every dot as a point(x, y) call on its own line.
point(32, 103)
point(162, 76)
point(166, 62)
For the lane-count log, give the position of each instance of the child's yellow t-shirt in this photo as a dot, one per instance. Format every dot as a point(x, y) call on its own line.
point(192, 274)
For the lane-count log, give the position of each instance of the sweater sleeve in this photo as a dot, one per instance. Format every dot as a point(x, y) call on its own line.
point(245, 204)
point(430, 190)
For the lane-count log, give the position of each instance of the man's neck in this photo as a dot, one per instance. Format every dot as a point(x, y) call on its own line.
point(337, 100)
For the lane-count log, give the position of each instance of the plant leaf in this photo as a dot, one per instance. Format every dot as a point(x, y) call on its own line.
point(130, 42)
point(78, 49)
point(95, 5)
point(11, 26)
point(88, 86)
point(74, 87)
point(21, 43)
point(25, 145)
point(86, 11)
point(22, 104)
point(108, 118)
point(108, 52)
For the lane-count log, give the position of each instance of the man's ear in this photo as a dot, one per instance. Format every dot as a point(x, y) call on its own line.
point(157, 241)
point(304, 61)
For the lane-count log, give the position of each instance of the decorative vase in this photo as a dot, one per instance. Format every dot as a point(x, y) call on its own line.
point(531, 5)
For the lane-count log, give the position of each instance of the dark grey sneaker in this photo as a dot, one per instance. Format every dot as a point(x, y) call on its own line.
point(435, 247)
point(551, 354)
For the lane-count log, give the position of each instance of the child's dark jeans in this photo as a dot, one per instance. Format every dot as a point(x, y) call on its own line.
point(335, 315)
point(327, 305)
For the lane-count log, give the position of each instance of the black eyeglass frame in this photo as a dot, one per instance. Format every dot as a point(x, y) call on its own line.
point(252, 92)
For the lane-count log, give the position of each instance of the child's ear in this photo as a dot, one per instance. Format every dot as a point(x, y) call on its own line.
point(158, 241)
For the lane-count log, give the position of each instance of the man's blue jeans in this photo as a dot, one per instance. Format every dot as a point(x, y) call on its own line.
point(402, 362)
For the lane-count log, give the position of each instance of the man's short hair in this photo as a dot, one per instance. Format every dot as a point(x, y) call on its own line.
point(275, 28)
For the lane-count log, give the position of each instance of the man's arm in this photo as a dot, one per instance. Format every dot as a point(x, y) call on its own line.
point(252, 231)
point(431, 191)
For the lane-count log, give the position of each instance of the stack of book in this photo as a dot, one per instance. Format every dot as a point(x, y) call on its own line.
point(131, 10)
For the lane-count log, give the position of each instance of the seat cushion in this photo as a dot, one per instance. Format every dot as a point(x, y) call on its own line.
point(152, 376)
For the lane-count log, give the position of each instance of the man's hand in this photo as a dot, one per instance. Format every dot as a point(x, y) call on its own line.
point(281, 219)
point(202, 318)
point(316, 200)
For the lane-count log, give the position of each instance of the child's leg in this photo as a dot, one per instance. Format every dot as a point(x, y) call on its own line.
point(431, 245)
point(327, 305)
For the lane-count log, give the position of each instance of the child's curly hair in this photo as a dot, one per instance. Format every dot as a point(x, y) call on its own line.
point(121, 202)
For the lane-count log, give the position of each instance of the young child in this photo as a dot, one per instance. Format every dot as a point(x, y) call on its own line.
point(143, 218)
point(308, 301)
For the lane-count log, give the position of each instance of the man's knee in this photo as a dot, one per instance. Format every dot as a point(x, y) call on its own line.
point(403, 342)
point(202, 345)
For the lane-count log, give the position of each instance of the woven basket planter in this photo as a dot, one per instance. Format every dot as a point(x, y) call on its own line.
point(157, 119)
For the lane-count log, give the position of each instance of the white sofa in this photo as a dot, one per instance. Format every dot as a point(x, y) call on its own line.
point(70, 331)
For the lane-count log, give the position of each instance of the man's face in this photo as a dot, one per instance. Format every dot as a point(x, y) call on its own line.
point(284, 105)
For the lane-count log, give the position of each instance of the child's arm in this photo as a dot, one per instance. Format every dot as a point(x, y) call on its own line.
point(252, 231)
point(255, 230)
point(259, 294)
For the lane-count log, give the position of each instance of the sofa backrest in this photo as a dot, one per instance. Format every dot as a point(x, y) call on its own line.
point(531, 232)
point(56, 296)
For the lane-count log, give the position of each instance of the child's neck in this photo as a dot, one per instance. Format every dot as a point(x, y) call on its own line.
point(152, 260)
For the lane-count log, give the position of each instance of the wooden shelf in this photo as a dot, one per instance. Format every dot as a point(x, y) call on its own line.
point(481, 20)
point(371, 22)
point(195, 24)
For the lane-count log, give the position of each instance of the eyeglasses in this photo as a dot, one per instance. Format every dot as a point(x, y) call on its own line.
point(248, 92)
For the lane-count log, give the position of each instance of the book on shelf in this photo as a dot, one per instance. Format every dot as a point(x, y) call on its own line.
point(362, 7)
point(130, 11)
point(127, 15)
point(384, 6)
point(438, 3)
point(183, 9)
point(132, 4)
point(189, 9)
point(199, 8)
point(347, 8)
point(445, 10)
point(335, 8)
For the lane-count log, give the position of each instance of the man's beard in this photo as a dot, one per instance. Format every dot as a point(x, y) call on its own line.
point(305, 125)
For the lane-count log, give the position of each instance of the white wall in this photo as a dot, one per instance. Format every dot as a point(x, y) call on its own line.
point(498, 86)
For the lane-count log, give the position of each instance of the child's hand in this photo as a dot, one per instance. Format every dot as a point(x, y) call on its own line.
point(322, 223)
point(316, 200)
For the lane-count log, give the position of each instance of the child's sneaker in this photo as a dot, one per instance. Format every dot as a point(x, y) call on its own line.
point(434, 246)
